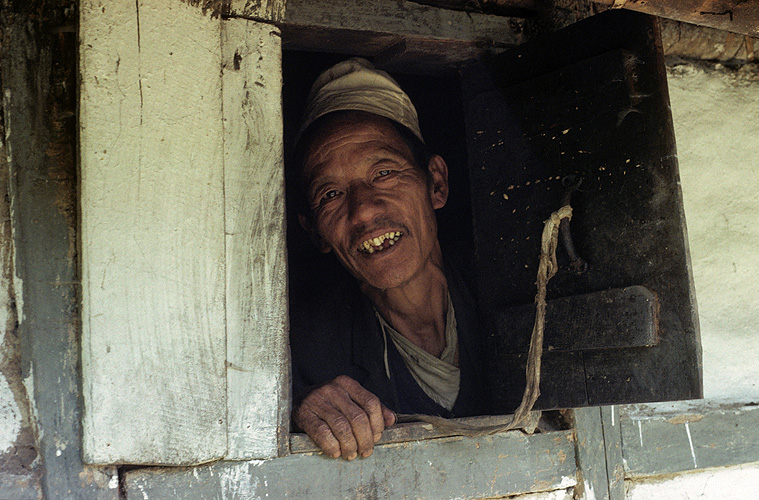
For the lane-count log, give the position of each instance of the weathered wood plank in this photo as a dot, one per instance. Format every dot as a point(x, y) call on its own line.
point(412, 431)
point(503, 464)
point(699, 437)
point(402, 35)
point(152, 218)
point(609, 319)
point(590, 454)
point(404, 18)
point(623, 148)
point(615, 469)
point(257, 383)
point(600, 470)
point(737, 16)
point(264, 10)
point(38, 86)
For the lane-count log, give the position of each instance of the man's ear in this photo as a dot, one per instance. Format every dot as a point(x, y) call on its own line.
point(439, 170)
point(307, 225)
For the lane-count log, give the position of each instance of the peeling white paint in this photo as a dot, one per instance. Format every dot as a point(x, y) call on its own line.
point(29, 386)
point(567, 481)
point(113, 483)
point(7, 123)
point(142, 490)
point(18, 283)
point(589, 494)
point(640, 432)
point(562, 494)
point(10, 416)
point(239, 483)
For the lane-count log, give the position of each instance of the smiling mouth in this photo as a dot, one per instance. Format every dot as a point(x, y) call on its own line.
point(380, 243)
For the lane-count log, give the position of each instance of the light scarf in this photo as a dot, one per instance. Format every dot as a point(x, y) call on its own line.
point(439, 378)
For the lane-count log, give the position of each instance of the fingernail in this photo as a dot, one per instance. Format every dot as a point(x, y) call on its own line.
point(352, 456)
point(367, 454)
point(377, 437)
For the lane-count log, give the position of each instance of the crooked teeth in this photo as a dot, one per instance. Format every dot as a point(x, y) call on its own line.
point(375, 244)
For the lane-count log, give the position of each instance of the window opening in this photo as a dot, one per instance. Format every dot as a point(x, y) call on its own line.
point(438, 100)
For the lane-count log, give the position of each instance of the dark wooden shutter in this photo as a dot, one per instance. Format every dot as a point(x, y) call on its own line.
point(588, 102)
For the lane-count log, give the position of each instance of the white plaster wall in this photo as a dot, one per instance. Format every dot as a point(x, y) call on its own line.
point(10, 417)
point(10, 414)
point(716, 117)
point(725, 483)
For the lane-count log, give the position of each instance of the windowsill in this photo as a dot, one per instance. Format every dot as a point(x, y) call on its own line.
point(401, 433)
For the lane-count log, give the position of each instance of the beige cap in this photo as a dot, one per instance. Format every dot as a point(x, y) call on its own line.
point(356, 85)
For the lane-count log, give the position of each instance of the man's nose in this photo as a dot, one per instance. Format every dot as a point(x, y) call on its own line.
point(364, 203)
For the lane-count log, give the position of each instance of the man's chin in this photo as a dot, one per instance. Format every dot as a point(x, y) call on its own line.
point(383, 281)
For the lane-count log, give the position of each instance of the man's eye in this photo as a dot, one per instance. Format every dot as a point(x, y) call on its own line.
point(329, 195)
point(384, 173)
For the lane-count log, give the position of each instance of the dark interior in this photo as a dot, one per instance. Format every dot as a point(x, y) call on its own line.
point(439, 105)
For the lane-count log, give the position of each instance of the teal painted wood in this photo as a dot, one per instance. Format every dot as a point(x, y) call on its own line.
point(615, 468)
point(599, 453)
point(591, 454)
point(504, 464)
point(688, 438)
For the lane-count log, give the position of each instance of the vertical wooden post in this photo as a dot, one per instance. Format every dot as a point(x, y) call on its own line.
point(257, 376)
point(598, 443)
point(152, 233)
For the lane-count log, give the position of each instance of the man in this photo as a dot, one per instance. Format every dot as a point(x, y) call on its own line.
point(408, 342)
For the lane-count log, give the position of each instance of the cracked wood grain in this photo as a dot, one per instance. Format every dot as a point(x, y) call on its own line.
point(152, 213)
point(254, 198)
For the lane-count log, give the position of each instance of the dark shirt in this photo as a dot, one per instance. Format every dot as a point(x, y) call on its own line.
point(337, 333)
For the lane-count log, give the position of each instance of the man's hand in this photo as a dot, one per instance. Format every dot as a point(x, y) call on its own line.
point(343, 418)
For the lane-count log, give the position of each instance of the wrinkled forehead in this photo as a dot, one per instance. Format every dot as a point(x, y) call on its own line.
point(341, 126)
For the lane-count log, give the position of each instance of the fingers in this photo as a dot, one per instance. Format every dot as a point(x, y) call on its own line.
point(369, 403)
point(358, 432)
point(318, 429)
point(343, 418)
point(389, 416)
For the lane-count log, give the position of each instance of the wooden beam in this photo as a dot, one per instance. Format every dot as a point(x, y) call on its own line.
point(609, 319)
point(152, 240)
point(599, 453)
point(615, 469)
point(495, 466)
point(701, 42)
point(737, 16)
point(254, 200)
point(404, 18)
point(415, 431)
point(405, 30)
point(689, 436)
point(263, 10)
point(519, 8)
point(38, 85)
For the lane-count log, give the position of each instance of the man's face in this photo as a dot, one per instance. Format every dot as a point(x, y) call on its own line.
point(370, 204)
